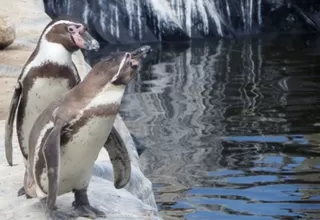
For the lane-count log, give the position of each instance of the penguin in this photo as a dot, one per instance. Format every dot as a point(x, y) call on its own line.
point(48, 73)
point(68, 135)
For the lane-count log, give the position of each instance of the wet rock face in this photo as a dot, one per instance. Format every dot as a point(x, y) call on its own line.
point(7, 34)
point(126, 21)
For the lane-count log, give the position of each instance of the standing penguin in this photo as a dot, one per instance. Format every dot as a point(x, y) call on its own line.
point(48, 73)
point(68, 135)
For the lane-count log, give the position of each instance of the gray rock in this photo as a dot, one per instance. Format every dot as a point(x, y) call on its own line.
point(7, 33)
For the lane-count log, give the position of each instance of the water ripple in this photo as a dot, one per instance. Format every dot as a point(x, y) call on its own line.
point(231, 128)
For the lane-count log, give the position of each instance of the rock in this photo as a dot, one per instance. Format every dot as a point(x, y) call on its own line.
point(180, 20)
point(7, 34)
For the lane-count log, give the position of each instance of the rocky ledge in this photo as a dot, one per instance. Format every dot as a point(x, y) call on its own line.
point(135, 201)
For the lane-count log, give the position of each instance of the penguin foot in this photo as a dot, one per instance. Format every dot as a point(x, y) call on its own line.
point(83, 207)
point(88, 211)
point(22, 192)
point(54, 213)
point(58, 215)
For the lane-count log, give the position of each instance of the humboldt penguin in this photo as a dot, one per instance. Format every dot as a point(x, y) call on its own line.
point(68, 135)
point(48, 73)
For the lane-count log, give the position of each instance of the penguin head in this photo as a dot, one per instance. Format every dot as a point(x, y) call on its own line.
point(122, 66)
point(71, 34)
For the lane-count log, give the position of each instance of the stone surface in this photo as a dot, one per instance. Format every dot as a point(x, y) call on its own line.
point(7, 33)
point(7, 85)
point(135, 201)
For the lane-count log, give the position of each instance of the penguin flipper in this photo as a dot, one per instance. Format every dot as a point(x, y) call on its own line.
point(9, 123)
point(120, 159)
point(51, 153)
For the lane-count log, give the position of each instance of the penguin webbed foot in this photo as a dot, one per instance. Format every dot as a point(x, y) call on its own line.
point(86, 210)
point(22, 192)
point(83, 207)
point(54, 213)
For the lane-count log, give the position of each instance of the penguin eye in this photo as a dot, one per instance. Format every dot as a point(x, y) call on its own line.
point(71, 29)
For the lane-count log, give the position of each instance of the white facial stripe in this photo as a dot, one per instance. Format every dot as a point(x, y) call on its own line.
point(60, 22)
point(123, 61)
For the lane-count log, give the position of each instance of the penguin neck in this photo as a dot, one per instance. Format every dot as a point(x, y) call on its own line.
point(106, 95)
point(53, 52)
point(112, 94)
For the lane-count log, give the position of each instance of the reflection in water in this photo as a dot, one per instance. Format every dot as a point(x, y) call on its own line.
point(226, 125)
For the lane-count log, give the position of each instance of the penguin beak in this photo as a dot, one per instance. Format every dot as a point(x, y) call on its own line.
point(89, 42)
point(137, 55)
point(85, 41)
point(140, 52)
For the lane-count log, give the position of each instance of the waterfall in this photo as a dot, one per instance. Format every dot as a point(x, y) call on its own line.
point(134, 11)
point(128, 21)
point(85, 14)
point(259, 12)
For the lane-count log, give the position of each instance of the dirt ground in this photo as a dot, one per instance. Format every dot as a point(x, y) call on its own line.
point(6, 90)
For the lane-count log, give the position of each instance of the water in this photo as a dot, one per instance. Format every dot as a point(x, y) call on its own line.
point(231, 127)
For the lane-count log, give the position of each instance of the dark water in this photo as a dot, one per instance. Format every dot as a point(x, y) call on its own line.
point(231, 128)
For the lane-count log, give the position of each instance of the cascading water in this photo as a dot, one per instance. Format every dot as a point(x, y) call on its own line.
point(127, 21)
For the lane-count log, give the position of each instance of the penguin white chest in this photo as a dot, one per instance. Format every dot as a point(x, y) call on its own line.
point(42, 93)
point(80, 153)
